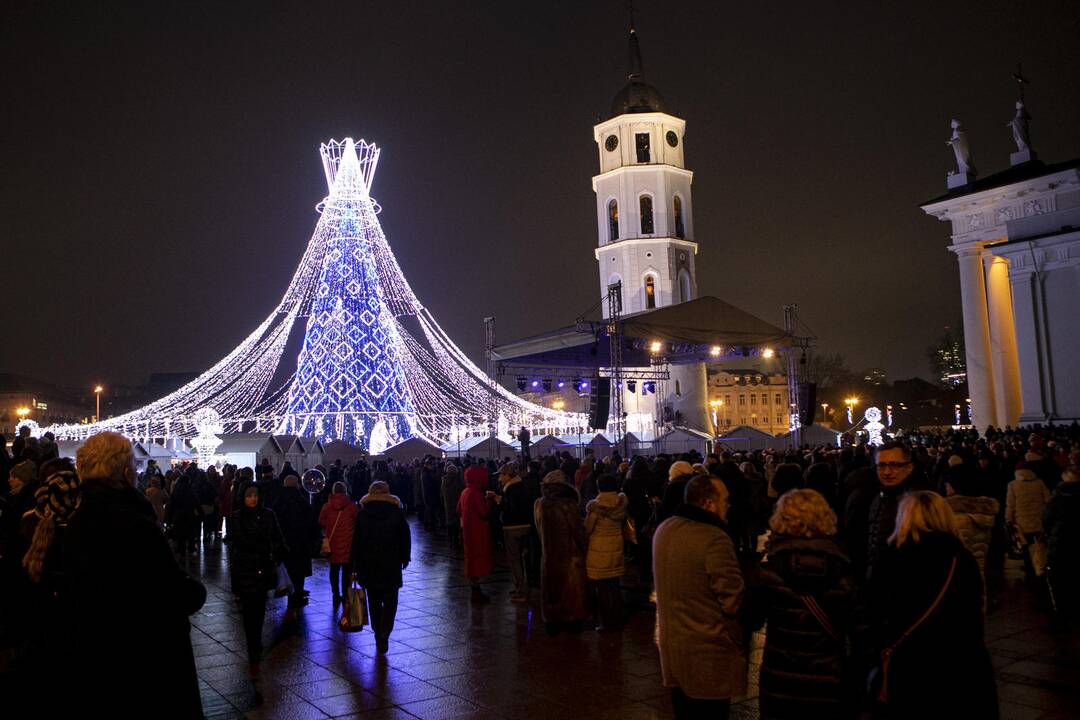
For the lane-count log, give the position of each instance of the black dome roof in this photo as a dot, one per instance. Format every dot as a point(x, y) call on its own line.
point(637, 97)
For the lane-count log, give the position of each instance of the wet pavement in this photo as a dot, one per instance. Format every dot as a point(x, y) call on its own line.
point(451, 659)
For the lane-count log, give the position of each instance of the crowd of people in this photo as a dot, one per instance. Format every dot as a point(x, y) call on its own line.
point(871, 569)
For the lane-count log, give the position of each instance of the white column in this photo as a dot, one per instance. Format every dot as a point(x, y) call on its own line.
point(1025, 303)
point(976, 336)
point(1006, 364)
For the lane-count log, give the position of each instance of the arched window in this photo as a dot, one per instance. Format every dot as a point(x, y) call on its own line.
point(679, 230)
point(650, 292)
point(613, 220)
point(684, 286)
point(646, 215)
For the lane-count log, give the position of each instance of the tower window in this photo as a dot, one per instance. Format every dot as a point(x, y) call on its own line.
point(679, 231)
point(684, 286)
point(650, 293)
point(646, 215)
point(643, 153)
point(613, 220)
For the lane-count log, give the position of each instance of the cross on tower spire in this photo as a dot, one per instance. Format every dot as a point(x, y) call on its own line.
point(1018, 76)
point(637, 69)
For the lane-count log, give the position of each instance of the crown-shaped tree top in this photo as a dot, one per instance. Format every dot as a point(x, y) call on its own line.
point(354, 162)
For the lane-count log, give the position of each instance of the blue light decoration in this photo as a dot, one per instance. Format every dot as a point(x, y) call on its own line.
point(374, 367)
point(349, 380)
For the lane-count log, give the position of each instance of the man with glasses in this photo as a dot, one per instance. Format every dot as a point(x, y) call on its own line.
point(870, 512)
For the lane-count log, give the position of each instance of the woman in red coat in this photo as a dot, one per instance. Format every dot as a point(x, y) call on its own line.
point(337, 519)
point(473, 507)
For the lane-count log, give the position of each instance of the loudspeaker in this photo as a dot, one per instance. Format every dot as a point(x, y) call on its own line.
point(599, 403)
point(807, 403)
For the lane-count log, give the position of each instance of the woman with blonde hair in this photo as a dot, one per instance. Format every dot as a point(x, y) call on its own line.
point(805, 590)
point(927, 611)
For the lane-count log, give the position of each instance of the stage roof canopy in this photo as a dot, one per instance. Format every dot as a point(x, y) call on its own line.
point(688, 332)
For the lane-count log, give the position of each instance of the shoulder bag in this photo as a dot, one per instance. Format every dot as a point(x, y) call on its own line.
point(324, 549)
point(878, 680)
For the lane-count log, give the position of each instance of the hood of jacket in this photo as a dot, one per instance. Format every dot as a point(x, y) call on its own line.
point(339, 501)
point(476, 478)
point(376, 498)
point(808, 564)
point(973, 505)
point(610, 504)
point(554, 490)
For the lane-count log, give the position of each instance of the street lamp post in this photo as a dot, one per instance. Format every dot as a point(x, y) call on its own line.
point(97, 395)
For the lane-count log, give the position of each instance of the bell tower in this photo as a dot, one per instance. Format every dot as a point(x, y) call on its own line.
point(645, 233)
point(644, 208)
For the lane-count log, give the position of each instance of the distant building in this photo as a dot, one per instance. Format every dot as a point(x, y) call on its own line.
point(23, 397)
point(750, 397)
point(875, 376)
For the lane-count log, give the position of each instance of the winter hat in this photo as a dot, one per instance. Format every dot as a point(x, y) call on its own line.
point(59, 496)
point(955, 460)
point(1032, 457)
point(555, 476)
point(452, 469)
point(291, 481)
point(678, 469)
point(509, 469)
point(379, 487)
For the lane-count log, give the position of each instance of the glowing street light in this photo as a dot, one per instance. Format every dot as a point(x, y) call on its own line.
point(97, 394)
point(715, 405)
point(767, 353)
point(656, 346)
point(715, 350)
point(22, 412)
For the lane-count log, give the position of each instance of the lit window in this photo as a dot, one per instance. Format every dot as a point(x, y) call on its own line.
point(650, 293)
point(613, 220)
point(779, 400)
point(679, 232)
point(642, 141)
point(753, 399)
point(646, 215)
point(742, 400)
point(764, 398)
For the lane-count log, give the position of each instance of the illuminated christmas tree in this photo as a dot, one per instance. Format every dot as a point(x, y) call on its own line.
point(373, 367)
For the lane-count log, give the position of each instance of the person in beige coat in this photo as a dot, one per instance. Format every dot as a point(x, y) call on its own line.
point(1024, 505)
point(699, 588)
point(604, 564)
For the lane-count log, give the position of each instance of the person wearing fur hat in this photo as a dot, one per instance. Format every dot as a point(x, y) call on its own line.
point(382, 547)
point(679, 474)
point(563, 544)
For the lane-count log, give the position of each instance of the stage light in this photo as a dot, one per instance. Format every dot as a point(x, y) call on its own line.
point(715, 351)
point(561, 384)
point(522, 383)
point(535, 384)
point(546, 384)
point(655, 346)
point(768, 353)
point(648, 387)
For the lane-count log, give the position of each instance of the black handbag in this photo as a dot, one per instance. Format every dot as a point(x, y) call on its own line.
point(877, 682)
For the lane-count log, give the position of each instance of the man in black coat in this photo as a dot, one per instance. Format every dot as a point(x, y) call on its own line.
point(382, 547)
point(130, 599)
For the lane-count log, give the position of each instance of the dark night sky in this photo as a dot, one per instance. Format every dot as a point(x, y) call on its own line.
point(161, 169)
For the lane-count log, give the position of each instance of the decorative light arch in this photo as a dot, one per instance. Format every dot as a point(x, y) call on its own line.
point(374, 366)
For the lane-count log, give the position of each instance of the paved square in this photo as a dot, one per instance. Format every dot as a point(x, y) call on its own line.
point(451, 659)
